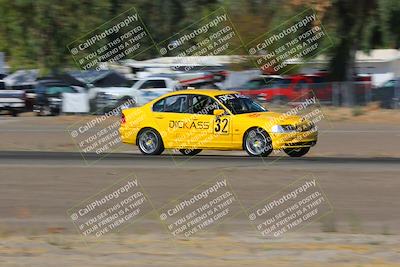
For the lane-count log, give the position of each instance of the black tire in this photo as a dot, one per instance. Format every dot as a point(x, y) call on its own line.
point(55, 112)
point(190, 152)
point(123, 103)
point(127, 102)
point(45, 111)
point(145, 140)
point(296, 152)
point(14, 113)
point(257, 142)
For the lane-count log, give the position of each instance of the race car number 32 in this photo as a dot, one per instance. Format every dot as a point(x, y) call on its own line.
point(221, 126)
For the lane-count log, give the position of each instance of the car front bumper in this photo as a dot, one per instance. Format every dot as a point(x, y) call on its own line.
point(294, 139)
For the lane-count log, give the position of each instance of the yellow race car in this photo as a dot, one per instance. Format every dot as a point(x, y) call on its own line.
point(192, 120)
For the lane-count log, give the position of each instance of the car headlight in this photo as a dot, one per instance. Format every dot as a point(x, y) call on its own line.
point(54, 99)
point(110, 96)
point(106, 96)
point(277, 129)
point(283, 129)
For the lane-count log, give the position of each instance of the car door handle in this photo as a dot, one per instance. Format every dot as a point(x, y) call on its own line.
point(159, 117)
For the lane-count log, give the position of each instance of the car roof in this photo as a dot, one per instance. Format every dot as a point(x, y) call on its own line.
point(209, 92)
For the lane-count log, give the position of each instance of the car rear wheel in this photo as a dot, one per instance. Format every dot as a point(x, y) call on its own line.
point(296, 152)
point(150, 142)
point(44, 111)
point(257, 142)
point(190, 152)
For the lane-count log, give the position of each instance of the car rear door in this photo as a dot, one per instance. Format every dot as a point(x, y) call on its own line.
point(171, 117)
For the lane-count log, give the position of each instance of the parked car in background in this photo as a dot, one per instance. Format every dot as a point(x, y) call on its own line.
point(321, 86)
point(49, 97)
point(328, 92)
point(277, 89)
point(141, 92)
point(30, 99)
point(146, 89)
point(2, 84)
point(388, 94)
point(12, 101)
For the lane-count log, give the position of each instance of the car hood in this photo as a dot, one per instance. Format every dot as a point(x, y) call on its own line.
point(273, 118)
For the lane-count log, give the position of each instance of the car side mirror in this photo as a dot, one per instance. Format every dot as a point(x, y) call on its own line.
point(218, 112)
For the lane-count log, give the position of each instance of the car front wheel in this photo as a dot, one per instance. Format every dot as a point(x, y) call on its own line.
point(150, 142)
point(257, 142)
point(296, 152)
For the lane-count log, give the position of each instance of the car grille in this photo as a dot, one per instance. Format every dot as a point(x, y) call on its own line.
point(303, 127)
point(312, 143)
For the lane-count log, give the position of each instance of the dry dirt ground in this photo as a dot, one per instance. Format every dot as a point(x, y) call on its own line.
point(35, 230)
point(151, 250)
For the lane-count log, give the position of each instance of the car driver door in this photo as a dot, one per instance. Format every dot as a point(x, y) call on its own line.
point(215, 131)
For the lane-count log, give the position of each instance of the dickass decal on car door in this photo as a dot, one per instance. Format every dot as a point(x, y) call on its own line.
point(217, 132)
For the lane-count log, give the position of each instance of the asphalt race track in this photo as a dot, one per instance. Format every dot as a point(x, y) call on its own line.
point(137, 159)
point(44, 185)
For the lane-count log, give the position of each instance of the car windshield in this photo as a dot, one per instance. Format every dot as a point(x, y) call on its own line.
point(58, 90)
point(240, 104)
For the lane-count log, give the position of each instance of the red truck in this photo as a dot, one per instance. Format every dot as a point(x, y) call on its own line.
point(277, 89)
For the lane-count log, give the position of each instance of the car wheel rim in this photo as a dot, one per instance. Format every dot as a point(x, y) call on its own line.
point(256, 143)
point(148, 142)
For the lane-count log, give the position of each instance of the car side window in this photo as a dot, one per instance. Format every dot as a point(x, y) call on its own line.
point(390, 83)
point(58, 90)
point(176, 104)
point(159, 105)
point(173, 104)
point(301, 85)
point(202, 104)
point(254, 84)
point(153, 84)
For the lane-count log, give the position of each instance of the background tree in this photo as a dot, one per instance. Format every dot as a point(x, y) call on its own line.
point(35, 33)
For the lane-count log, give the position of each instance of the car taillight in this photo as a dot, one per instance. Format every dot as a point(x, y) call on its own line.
point(123, 120)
